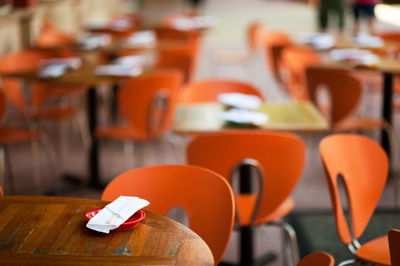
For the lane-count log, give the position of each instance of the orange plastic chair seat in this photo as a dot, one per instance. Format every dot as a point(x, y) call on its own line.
point(122, 133)
point(55, 113)
point(359, 124)
point(245, 204)
point(9, 135)
point(375, 251)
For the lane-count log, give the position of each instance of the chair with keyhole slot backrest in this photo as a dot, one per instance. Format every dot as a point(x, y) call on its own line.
point(295, 60)
point(14, 135)
point(361, 165)
point(208, 90)
point(274, 42)
point(205, 196)
point(275, 156)
point(317, 259)
point(394, 246)
point(344, 91)
point(147, 103)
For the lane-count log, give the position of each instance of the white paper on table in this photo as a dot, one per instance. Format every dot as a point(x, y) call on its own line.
point(366, 40)
point(116, 213)
point(240, 100)
point(317, 40)
point(68, 62)
point(141, 39)
point(93, 41)
point(197, 22)
point(242, 116)
point(361, 57)
point(131, 61)
point(118, 70)
point(52, 71)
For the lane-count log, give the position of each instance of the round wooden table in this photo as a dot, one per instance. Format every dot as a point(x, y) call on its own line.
point(36, 230)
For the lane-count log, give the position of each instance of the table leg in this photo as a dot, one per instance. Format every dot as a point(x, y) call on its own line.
point(94, 180)
point(387, 109)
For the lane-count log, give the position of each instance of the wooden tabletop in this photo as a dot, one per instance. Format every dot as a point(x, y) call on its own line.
point(292, 116)
point(37, 230)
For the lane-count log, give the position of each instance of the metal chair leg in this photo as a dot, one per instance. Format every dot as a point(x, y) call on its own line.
point(293, 241)
point(348, 262)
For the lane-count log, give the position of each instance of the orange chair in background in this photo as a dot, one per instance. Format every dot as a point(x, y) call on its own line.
point(1, 192)
point(317, 259)
point(274, 157)
point(147, 104)
point(274, 42)
point(361, 165)
point(14, 135)
point(394, 246)
point(208, 90)
point(295, 60)
point(344, 91)
point(253, 36)
point(181, 62)
point(205, 196)
point(50, 37)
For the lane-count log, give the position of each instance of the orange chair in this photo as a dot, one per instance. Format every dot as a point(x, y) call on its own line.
point(274, 42)
point(345, 92)
point(177, 61)
point(1, 192)
point(14, 135)
point(208, 90)
point(253, 36)
point(361, 165)
point(50, 37)
point(275, 157)
point(295, 60)
point(170, 34)
point(147, 103)
point(394, 246)
point(205, 196)
point(317, 259)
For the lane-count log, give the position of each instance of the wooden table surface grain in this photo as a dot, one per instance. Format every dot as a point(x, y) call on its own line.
point(36, 230)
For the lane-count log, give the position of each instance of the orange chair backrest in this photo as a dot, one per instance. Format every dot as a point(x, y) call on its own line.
point(208, 90)
point(50, 36)
point(317, 259)
point(274, 43)
point(148, 101)
point(170, 34)
point(344, 90)
point(253, 36)
point(295, 60)
point(1, 192)
point(23, 61)
point(206, 197)
point(3, 103)
point(280, 155)
point(363, 166)
point(394, 246)
point(181, 62)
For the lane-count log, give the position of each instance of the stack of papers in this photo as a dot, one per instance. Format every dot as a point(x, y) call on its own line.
point(141, 39)
point(318, 40)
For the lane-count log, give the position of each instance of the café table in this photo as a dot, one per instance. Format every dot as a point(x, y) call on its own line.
point(37, 230)
point(301, 117)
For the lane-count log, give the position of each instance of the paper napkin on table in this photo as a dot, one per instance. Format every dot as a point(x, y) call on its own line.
point(116, 213)
point(242, 116)
point(93, 41)
point(240, 100)
point(118, 70)
point(317, 40)
point(145, 38)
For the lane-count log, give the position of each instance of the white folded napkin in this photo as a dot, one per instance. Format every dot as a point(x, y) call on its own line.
point(196, 22)
point(130, 61)
point(52, 71)
point(145, 38)
point(116, 213)
point(359, 56)
point(68, 62)
point(240, 100)
point(317, 40)
point(366, 40)
point(242, 116)
point(93, 41)
point(118, 70)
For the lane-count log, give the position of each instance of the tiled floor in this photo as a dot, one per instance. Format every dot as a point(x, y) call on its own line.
point(229, 35)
